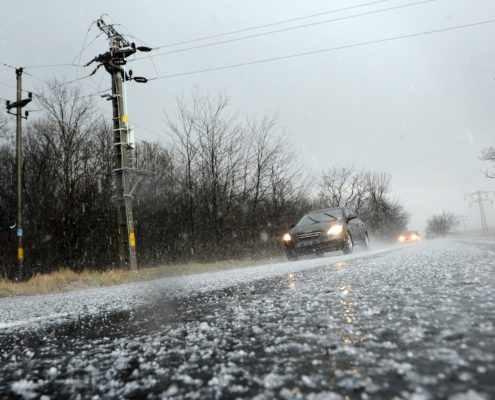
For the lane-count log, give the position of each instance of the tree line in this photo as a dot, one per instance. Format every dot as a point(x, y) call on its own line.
point(224, 186)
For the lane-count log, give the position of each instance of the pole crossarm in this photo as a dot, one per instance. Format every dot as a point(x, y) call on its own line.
point(475, 194)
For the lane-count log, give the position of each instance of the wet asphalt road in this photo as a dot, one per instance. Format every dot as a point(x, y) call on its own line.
point(413, 322)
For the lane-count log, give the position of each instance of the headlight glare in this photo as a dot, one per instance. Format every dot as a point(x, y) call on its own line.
point(287, 237)
point(335, 230)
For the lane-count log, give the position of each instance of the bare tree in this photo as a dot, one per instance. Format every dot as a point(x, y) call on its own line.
point(385, 217)
point(220, 143)
point(367, 193)
point(343, 186)
point(237, 177)
point(182, 127)
point(7, 206)
point(4, 126)
point(66, 135)
point(488, 154)
point(442, 224)
point(158, 212)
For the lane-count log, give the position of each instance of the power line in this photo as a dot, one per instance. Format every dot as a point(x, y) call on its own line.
point(6, 85)
point(354, 45)
point(35, 77)
point(61, 84)
point(7, 65)
point(58, 85)
point(84, 46)
point(13, 87)
point(270, 24)
point(44, 81)
point(156, 133)
point(99, 93)
point(130, 35)
point(52, 65)
point(289, 29)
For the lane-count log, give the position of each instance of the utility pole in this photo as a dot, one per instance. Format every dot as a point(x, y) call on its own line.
point(477, 197)
point(19, 104)
point(114, 62)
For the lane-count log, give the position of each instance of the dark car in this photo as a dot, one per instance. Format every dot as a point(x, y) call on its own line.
point(325, 230)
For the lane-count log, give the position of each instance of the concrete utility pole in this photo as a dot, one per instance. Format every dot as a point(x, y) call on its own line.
point(114, 62)
point(19, 104)
point(476, 197)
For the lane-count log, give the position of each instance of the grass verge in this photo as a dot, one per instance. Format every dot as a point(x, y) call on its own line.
point(65, 280)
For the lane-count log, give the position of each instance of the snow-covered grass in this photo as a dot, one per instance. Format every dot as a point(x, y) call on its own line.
point(65, 279)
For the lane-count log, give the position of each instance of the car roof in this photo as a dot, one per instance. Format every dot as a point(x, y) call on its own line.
point(327, 209)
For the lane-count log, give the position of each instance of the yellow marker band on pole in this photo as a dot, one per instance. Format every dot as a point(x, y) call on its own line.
point(125, 118)
point(132, 239)
point(20, 254)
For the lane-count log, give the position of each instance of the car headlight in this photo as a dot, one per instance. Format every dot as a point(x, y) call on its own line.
point(402, 238)
point(336, 229)
point(287, 237)
point(414, 237)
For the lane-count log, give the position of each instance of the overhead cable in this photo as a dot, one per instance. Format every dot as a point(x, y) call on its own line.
point(270, 24)
point(290, 28)
point(349, 46)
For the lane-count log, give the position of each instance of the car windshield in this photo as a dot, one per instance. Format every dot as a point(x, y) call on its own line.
point(320, 216)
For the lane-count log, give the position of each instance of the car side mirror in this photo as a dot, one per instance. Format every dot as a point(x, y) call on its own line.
point(292, 226)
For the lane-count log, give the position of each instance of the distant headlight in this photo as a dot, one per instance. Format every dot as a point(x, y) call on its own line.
point(414, 237)
point(402, 238)
point(287, 237)
point(335, 230)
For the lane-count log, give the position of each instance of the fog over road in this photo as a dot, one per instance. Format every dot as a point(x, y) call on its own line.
point(401, 322)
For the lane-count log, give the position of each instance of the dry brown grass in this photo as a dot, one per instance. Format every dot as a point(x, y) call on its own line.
point(65, 280)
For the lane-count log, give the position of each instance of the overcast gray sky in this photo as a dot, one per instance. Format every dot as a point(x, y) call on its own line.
point(420, 108)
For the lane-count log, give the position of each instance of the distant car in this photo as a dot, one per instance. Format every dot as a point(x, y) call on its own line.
point(325, 230)
point(408, 236)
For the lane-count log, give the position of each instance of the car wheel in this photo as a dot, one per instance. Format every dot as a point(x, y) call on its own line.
point(291, 255)
point(348, 244)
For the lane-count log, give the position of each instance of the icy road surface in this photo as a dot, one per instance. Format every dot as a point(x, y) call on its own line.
point(415, 322)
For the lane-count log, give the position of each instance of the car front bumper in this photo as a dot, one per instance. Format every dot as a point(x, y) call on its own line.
point(320, 245)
